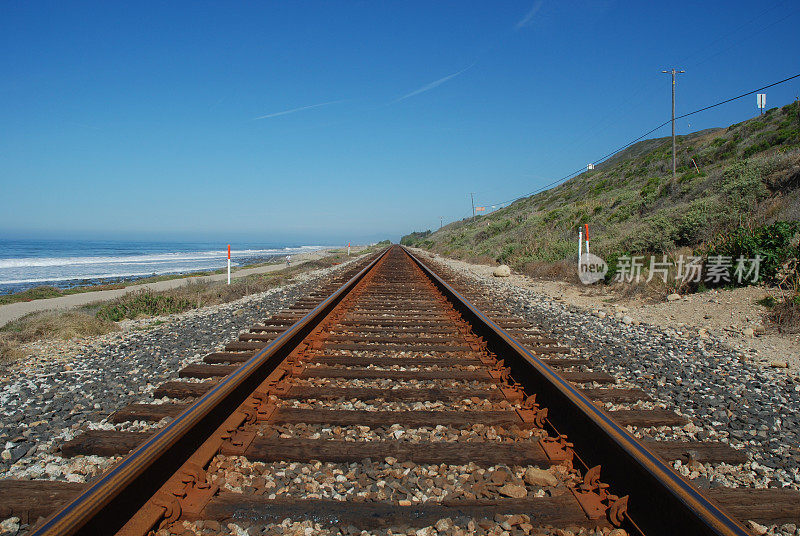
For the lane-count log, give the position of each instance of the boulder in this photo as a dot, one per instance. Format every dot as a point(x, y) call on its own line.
point(674, 297)
point(502, 271)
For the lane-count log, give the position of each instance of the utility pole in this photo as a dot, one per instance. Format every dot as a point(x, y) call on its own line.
point(441, 220)
point(673, 72)
point(472, 198)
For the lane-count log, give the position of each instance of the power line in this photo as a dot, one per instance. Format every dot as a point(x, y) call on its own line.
point(615, 151)
point(626, 107)
point(738, 96)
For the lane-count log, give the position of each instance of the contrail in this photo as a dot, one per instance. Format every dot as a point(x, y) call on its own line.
point(434, 84)
point(293, 110)
point(526, 20)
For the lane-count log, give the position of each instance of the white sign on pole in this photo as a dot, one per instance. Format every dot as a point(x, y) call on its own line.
point(761, 100)
point(589, 167)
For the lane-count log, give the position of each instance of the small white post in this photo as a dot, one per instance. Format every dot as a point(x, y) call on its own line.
point(229, 264)
point(348, 249)
point(580, 246)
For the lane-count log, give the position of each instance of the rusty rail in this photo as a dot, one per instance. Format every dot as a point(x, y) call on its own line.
point(662, 501)
point(113, 499)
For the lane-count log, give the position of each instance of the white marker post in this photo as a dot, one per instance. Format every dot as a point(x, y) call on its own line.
point(229, 264)
point(348, 249)
point(761, 101)
point(580, 247)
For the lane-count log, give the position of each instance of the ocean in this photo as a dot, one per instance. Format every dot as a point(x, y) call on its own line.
point(26, 264)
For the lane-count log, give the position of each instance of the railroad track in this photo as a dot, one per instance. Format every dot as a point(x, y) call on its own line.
point(389, 399)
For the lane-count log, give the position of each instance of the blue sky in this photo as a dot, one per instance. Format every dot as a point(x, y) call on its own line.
point(333, 121)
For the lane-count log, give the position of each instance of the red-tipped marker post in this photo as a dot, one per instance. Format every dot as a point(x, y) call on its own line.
point(586, 227)
point(229, 264)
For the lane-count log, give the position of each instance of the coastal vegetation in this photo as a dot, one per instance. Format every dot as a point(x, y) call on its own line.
point(736, 192)
point(62, 325)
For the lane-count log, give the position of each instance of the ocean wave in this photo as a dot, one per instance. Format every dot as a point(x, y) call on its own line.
point(156, 258)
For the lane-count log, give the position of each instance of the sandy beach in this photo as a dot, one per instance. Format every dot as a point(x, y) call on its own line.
point(13, 311)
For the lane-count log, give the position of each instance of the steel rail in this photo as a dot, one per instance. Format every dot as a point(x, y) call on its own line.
point(661, 501)
point(106, 505)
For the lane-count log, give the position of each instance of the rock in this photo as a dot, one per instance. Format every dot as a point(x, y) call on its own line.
point(444, 524)
point(749, 332)
point(618, 532)
point(756, 528)
point(515, 491)
point(627, 320)
point(404, 502)
point(703, 333)
point(502, 271)
point(212, 525)
point(600, 314)
point(779, 364)
point(539, 477)
point(674, 297)
point(500, 476)
point(10, 525)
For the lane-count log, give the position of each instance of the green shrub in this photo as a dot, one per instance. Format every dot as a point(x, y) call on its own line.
point(742, 186)
point(767, 301)
point(655, 234)
point(692, 227)
point(143, 304)
point(35, 293)
point(414, 237)
point(773, 243)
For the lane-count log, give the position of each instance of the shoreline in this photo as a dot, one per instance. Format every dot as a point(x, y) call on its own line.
point(13, 311)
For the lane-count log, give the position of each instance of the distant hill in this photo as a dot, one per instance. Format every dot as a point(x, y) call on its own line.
point(748, 173)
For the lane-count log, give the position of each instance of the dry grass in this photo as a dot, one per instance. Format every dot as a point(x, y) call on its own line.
point(9, 350)
point(786, 315)
point(195, 295)
point(652, 291)
point(49, 325)
point(564, 270)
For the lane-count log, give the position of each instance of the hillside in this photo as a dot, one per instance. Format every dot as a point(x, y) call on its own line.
point(747, 174)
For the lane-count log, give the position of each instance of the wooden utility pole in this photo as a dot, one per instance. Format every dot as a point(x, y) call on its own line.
point(673, 72)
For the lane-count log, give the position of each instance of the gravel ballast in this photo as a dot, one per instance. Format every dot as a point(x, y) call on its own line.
point(66, 387)
point(727, 397)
